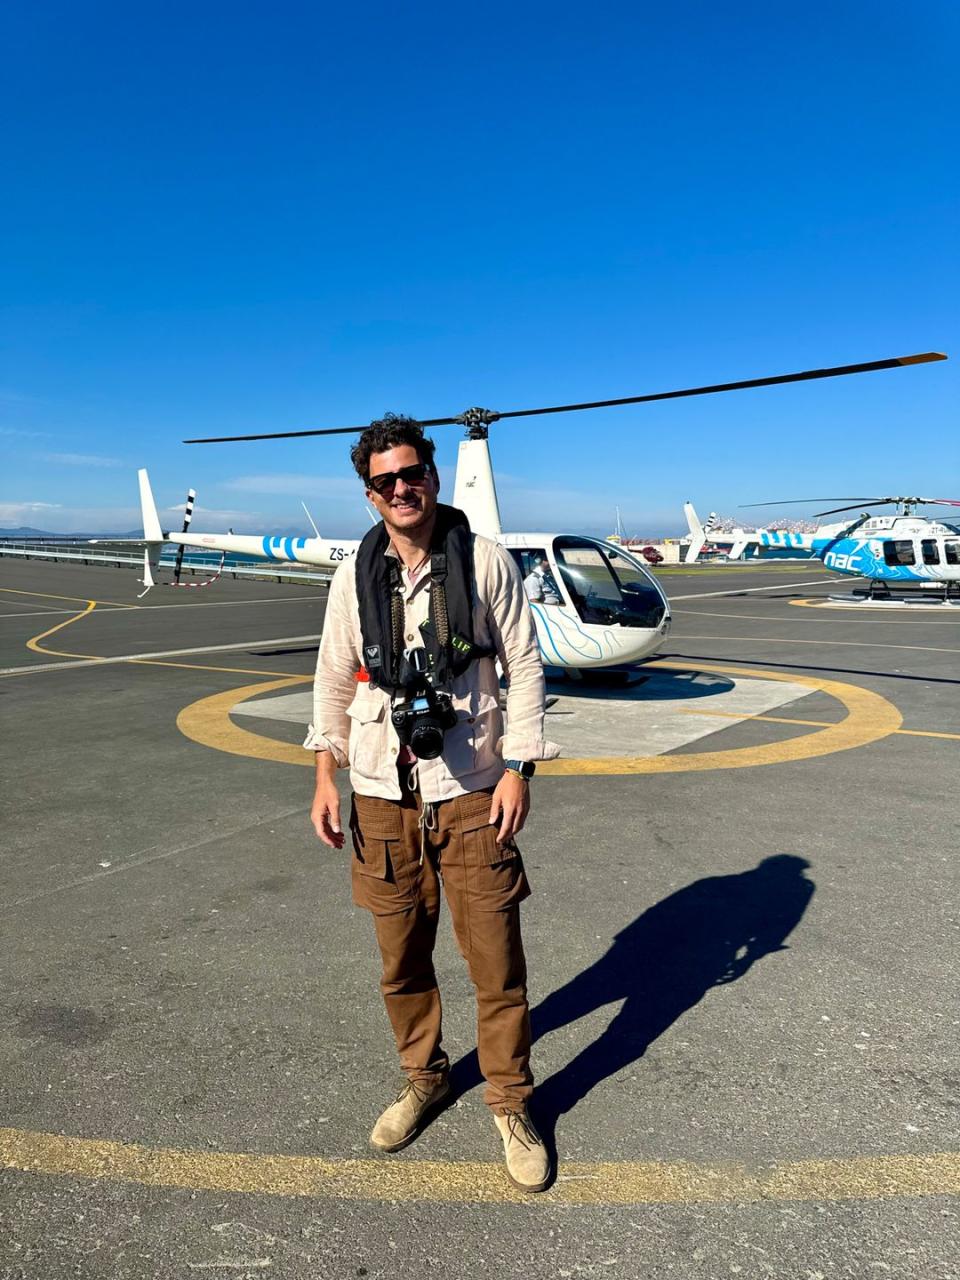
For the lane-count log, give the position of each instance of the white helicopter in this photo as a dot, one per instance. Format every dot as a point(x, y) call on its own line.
point(737, 541)
point(606, 609)
point(895, 553)
point(602, 609)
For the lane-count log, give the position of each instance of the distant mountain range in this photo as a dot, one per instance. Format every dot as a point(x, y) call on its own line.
point(26, 531)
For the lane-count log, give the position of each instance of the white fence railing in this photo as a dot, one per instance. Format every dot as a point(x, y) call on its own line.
point(201, 563)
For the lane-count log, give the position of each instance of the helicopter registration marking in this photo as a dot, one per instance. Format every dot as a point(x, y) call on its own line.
point(869, 718)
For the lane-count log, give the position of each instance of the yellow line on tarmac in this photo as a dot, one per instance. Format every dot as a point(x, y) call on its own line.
point(34, 642)
point(205, 666)
point(733, 715)
point(627, 1182)
point(49, 595)
point(35, 645)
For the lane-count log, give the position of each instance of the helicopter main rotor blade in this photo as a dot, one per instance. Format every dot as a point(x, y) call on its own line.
point(880, 502)
point(808, 375)
point(323, 431)
point(856, 503)
point(786, 502)
point(857, 506)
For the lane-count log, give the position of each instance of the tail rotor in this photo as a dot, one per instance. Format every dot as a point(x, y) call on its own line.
point(187, 517)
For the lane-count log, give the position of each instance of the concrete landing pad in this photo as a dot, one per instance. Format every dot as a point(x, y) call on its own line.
point(648, 718)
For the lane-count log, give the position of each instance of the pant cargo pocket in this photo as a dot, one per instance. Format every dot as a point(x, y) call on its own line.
point(376, 827)
point(494, 874)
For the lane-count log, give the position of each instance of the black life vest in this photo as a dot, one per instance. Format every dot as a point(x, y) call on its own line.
point(448, 633)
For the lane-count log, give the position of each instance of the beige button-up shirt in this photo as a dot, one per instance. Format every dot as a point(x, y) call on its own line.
point(351, 718)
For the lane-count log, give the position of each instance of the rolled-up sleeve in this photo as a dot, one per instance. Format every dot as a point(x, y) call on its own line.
point(515, 639)
point(338, 660)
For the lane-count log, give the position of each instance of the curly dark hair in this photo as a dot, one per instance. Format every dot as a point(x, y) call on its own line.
point(387, 433)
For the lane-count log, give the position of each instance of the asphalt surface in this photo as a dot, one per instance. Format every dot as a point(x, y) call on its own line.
point(185, 971)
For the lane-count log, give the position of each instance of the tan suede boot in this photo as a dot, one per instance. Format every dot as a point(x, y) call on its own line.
point(528, 1162)
point(401, 1121)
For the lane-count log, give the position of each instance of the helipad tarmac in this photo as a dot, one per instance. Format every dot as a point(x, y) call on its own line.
point(742, 948)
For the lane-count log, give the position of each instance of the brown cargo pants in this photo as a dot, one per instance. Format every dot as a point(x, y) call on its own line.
point(401, 857)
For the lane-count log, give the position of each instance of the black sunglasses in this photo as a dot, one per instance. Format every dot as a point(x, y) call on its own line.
point(387, 482)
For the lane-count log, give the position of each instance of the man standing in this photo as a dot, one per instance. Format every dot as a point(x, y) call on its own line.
point(413, 629)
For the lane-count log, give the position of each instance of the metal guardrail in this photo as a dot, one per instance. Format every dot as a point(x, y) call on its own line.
point(201, 563)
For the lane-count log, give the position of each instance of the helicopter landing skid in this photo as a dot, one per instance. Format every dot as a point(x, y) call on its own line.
point(945, 596)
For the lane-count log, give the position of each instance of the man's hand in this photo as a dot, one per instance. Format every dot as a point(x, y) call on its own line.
point(509, 806)
point(325, 811)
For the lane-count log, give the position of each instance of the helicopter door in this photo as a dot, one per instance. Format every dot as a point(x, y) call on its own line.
point(951, 550)
point(930, 551)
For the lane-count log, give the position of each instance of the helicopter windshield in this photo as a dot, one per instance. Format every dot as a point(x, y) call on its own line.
point(607, 585)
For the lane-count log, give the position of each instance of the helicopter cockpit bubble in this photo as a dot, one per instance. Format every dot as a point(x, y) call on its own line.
point(607, 584)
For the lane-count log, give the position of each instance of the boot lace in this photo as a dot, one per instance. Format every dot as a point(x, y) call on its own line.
point(520, 1128)
point(421, 1092)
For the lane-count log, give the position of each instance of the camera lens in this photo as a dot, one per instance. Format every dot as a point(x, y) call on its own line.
point(426, 741)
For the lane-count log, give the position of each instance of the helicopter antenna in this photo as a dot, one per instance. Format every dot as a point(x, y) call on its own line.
point(310, 518)
point(478, 421)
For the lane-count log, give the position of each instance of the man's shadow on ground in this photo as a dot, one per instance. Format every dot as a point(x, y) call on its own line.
point(705, 935)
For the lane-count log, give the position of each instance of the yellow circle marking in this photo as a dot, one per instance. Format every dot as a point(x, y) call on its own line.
point(208, 722)
point(869, 717)
point(875, 608)
point(614, 1182)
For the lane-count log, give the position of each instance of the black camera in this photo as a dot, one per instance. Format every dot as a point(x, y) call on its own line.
point(420, 713)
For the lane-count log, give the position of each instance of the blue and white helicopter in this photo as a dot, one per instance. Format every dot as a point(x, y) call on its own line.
point(896, 553)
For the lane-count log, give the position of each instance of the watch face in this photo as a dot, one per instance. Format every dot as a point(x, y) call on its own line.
point(524, 767)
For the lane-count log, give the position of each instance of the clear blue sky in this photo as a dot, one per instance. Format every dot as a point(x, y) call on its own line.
point(224, 218)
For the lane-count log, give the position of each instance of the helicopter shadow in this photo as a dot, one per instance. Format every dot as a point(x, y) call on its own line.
point(707, 934)
point(647, 686)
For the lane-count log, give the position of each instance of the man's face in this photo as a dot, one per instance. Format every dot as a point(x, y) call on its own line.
point(404, 507)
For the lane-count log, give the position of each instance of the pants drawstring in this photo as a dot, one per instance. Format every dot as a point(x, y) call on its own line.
point(426, 822)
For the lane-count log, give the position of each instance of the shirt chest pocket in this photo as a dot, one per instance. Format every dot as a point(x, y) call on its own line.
point(471, 745)
point(368, 734)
